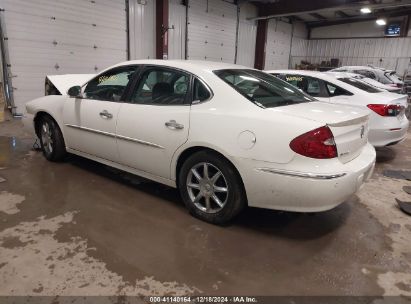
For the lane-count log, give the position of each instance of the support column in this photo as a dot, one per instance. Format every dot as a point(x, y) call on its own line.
point(261, 41)
point(162, 29)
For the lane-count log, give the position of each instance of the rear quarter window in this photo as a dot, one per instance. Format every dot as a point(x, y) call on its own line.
point(265, 90)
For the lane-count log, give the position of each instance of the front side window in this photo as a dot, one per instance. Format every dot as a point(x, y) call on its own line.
point(360, 85)
point(264, 90)
point(110, 85)
point(162, 87)
point(311, 86)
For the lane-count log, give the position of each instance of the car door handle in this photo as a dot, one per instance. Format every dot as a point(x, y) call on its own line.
point(106, 114)
point(172, 124)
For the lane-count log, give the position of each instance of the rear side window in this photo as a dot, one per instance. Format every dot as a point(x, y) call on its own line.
point(160, 86)
point(334, 90)
point(360, 85)
point(264, 90)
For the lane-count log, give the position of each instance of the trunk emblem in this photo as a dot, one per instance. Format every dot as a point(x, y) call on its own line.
point(362, 131)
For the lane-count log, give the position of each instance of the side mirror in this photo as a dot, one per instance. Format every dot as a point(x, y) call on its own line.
point(75, 92)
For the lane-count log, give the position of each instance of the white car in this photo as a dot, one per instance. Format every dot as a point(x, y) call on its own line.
point(388, 122)
point(382, 75)
point(224, 135)
point(370, 81)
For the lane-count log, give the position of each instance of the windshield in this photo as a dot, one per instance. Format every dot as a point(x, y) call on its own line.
point(264, 90)
point(360, 85)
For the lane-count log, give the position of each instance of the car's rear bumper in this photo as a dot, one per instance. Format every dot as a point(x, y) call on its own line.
point(290, 190)
point(390, 133)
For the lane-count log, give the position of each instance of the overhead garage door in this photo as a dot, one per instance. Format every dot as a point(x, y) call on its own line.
point(211, 29)
point(278, 45)
point(60, 37)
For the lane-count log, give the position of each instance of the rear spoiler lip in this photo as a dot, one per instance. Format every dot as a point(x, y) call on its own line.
point(354, 121)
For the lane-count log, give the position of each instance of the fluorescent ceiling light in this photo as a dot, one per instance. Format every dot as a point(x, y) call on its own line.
point(381, 22)
point(365, 10)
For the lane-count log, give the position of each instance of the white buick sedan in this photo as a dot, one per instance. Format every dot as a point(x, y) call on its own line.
point(388, 121)
point(225, 135)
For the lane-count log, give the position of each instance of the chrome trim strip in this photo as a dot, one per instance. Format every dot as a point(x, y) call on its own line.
point(301, 174)
point(146, 143)
point(92, 130)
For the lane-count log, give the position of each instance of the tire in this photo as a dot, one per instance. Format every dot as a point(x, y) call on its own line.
point(51, 139)
point(194, 191)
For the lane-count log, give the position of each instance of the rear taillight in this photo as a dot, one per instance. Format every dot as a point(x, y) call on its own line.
point(318, 143)
point(386, 110)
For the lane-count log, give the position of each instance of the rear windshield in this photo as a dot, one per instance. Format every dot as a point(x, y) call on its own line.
point(394, 77)
point(360, 85)
point(264, 90)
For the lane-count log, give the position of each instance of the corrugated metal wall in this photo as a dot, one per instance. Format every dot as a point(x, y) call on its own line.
point(247, 32)
point(176, 35)
point(59, 37)
point(142, 27)
point(212, 28)
point(278, 45)
point(392, 53)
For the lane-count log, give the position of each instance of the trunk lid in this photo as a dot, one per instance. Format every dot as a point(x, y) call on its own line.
point(349, 125)
point(395, 99)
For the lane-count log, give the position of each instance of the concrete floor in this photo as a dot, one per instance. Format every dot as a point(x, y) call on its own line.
point(81, 228)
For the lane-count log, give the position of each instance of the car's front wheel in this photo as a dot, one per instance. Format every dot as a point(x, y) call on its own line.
point(51, 139)
point(211, 188)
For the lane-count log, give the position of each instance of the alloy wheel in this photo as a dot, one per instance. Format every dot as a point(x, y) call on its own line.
point(207, 187)
point(46, 138)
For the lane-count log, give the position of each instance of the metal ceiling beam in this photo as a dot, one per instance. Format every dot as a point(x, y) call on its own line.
point(341, 14)
point(318, 16)
point(296, 18)
point(362, 18)
point(298, 7)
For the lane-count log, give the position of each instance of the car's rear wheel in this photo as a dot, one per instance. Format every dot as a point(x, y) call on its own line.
point(211, 188)
point(51, 139)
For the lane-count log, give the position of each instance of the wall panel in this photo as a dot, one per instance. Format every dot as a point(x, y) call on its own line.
point(278, 45)
point(212, 27)
point(142, 29)
point(60, 37)
point(177, 34)
point(247, 32)
point(392, 53)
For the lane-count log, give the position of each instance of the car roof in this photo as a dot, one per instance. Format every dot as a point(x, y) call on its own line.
point(317, 74)
point(330, 77)
point(193, 66)
point(338, 74)
point(356, 67)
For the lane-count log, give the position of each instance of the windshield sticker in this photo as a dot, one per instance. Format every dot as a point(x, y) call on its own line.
point(294, 78)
